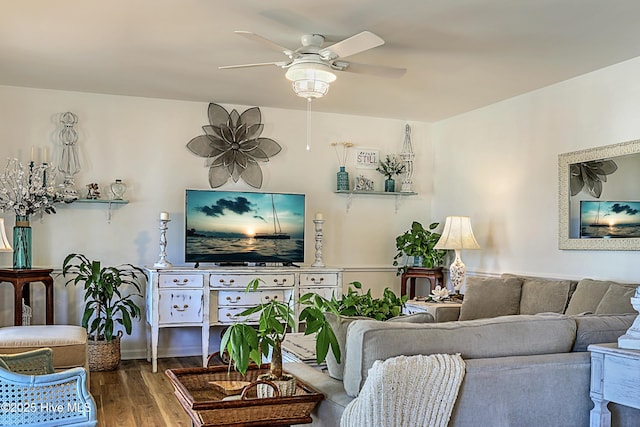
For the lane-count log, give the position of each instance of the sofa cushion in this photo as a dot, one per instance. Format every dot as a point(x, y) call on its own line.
point(490, 297)
point(543, 295)
point(587, 296)
point(340, 325)
point(602, 328)
point(617, 300)
point(518, 335)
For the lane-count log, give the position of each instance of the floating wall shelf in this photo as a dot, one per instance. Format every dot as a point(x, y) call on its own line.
point(109, 202)
point(378, 193)
point(351, 193)
point(121, 201)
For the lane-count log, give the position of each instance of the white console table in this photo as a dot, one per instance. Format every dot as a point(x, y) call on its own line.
point(615, 377)
point(204, 297)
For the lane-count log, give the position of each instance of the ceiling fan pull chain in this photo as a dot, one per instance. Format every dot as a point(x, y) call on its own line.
point(309, 124)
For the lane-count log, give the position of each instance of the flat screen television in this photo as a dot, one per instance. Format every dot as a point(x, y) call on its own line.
point(236, 227)
point(609, 220)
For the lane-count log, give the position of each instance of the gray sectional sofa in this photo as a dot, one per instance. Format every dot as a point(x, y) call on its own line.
point(524, 343)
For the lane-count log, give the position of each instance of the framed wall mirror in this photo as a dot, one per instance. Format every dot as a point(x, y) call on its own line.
point(599, 198)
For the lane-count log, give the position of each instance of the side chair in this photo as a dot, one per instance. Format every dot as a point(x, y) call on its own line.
point(32, 394)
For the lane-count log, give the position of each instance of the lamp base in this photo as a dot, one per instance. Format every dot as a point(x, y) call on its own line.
point(457, 272)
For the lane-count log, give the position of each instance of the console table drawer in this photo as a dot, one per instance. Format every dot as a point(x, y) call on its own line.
point(325, 292)
point(181, 306)
point(229, 298)
point(231, 315)
point(180, 280)
point(242, 280)
point(318, 279)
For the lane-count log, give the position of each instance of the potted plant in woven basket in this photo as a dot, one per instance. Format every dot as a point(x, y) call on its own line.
point(109, 303)
point(245, 343)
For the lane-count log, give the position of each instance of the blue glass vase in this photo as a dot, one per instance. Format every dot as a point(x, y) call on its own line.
point(389, 185)
point(22, 243)
point(343, 179)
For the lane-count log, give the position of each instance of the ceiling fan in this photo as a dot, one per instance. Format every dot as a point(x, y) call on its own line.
point(311, 67)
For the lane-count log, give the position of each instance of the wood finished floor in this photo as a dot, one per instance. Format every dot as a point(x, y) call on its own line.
point(133, 396)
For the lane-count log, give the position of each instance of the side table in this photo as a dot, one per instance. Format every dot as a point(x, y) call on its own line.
point(441, 311)
point(615, 377)
point(20, 279)
point(434, 275)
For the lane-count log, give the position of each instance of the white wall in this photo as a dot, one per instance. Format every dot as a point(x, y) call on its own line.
point(142, 141)
point(499, 165)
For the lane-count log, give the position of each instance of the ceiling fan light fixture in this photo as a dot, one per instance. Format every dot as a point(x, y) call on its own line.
point(310, 80)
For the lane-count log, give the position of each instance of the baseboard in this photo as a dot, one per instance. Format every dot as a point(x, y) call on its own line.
point(183, 351)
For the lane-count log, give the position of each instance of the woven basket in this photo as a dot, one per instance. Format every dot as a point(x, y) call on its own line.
point(103, 355)
point(286, 387)
point(211, 408)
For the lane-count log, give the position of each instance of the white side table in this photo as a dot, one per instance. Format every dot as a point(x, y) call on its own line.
point(615, 377)
point(441, 311)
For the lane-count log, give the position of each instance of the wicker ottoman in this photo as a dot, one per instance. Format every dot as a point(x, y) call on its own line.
point(69, 343)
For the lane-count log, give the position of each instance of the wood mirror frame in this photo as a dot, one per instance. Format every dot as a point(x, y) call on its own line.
point(566, 241)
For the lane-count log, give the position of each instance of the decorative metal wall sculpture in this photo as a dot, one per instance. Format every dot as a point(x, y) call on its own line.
point(233, 147)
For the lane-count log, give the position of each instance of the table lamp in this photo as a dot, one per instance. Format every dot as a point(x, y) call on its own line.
point(4, 242)
point(457, 235)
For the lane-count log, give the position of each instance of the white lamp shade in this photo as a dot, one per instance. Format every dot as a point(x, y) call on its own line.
point(457, 234)
point(310, 80)
point(4, 242)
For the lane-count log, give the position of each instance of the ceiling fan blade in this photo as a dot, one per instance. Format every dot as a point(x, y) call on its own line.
point(259, 64)
point(273, 45)
point(375, 70)
point(359, 43)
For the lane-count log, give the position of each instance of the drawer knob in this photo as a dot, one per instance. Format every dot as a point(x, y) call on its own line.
point(184, 281)
point(280, 283)
point(225, 283)
point(267, 297)
point(316, 282)
point(231, 300)
point(178, 308)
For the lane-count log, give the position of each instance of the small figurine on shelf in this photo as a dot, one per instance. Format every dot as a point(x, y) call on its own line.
point(363, 184)
point(93, 192)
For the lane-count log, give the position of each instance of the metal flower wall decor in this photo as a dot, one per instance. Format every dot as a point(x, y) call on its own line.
point(590, 174)
point(233, 147)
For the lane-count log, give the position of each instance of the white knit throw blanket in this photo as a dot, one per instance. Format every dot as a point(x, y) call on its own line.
point(407, 391)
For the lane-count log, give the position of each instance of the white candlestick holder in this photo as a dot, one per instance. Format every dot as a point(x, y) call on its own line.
point(318, 224)
point(162, 261)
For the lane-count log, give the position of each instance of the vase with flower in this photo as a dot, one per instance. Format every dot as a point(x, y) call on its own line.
point(342, 149)
point(390, 167)
point(26, 191)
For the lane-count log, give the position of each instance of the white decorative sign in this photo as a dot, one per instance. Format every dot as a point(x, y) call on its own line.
point(367, 158)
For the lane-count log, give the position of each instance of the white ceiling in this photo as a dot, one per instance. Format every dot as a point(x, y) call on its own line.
point(460, 54)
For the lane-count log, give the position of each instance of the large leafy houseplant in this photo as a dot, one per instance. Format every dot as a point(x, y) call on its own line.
point(419, 242)
point(353, 304)
point(246, 344)
point(106, 303)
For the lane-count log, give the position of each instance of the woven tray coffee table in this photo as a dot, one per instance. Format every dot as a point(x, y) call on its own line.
point(204, 402)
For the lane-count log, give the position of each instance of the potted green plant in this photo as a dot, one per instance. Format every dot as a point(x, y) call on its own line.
point(107, 305)
point(418, 242)
point(245, 343)
point(330, 318)
point(390, 167)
